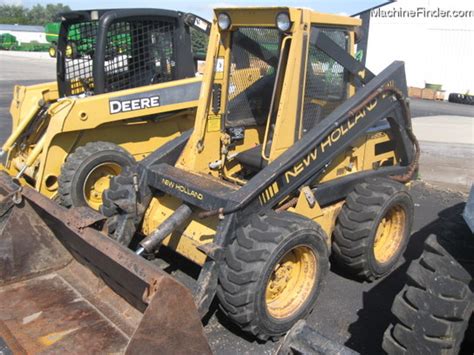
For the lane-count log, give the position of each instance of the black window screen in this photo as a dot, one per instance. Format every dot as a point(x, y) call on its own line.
point(78, 57)
point(326, 80)
point(254, 61)
point(199, 42)
point(137, 53)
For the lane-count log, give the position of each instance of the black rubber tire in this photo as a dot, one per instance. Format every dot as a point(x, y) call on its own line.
point(469, 99)
point(7, 182)
point(80, 163)
point(433, 309)
point(356, 227)
point(249, 261)
point(120, 207)
point(461, 99)
point(453, 98)
point(457, 239)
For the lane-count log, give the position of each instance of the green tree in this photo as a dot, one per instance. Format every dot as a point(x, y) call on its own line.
point(11, 14)
point(199, 42)
point(37, 15)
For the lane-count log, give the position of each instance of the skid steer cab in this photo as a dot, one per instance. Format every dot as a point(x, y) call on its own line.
point(126, 84)
point(298, 151)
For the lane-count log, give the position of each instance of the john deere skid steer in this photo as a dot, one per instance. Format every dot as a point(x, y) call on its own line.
point(298, 152)
point(125, 85)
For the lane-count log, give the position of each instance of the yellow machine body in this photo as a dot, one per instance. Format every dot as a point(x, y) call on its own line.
point(74, 121)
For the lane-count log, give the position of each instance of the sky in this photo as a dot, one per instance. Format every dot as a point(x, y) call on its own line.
point(204, 8)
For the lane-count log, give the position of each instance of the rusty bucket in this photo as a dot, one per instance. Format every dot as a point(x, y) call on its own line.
point(66, 287)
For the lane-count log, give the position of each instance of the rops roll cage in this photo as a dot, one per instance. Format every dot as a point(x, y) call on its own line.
point(185, 61)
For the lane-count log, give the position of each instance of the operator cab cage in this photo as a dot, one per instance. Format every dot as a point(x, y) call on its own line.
point(324, 82)
point(287, 99)
point(102, 51)
point(276, 75)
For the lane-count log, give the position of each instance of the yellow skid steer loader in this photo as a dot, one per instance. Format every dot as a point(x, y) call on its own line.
point(126, 84)
point(298, 151)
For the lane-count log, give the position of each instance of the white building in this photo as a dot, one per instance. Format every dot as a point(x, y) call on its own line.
point(25, 34)
point(435, 38)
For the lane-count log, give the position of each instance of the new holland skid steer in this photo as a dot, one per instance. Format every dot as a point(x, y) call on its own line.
point(297, 151)
point(125, 85)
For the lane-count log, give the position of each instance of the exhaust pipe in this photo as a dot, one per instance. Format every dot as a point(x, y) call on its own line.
point(178, 217)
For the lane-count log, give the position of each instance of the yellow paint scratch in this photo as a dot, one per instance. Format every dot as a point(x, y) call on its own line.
point(53, 338)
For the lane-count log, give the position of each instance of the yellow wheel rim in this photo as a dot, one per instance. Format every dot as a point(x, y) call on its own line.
point(52, 52)
point(291, 283)
point(97, 181)
point(69, 51)
point(389, 235)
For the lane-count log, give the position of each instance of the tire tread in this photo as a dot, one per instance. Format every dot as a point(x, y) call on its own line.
point(73, 163)
point(355, 223)
point(244, 260)
point(433, 309)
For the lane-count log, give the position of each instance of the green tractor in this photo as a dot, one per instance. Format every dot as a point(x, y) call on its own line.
point(78, 44)
point(52, 33)
point(81, 43)
point(8, 41)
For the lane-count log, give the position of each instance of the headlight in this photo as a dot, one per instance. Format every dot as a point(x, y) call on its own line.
point(94, 15)
point(223, 20)
point(283, 21)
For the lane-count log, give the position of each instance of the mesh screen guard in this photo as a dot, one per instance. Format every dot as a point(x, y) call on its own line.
point(254, 61)
point(78, 57)
point(137, 52)
point(326, 81)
